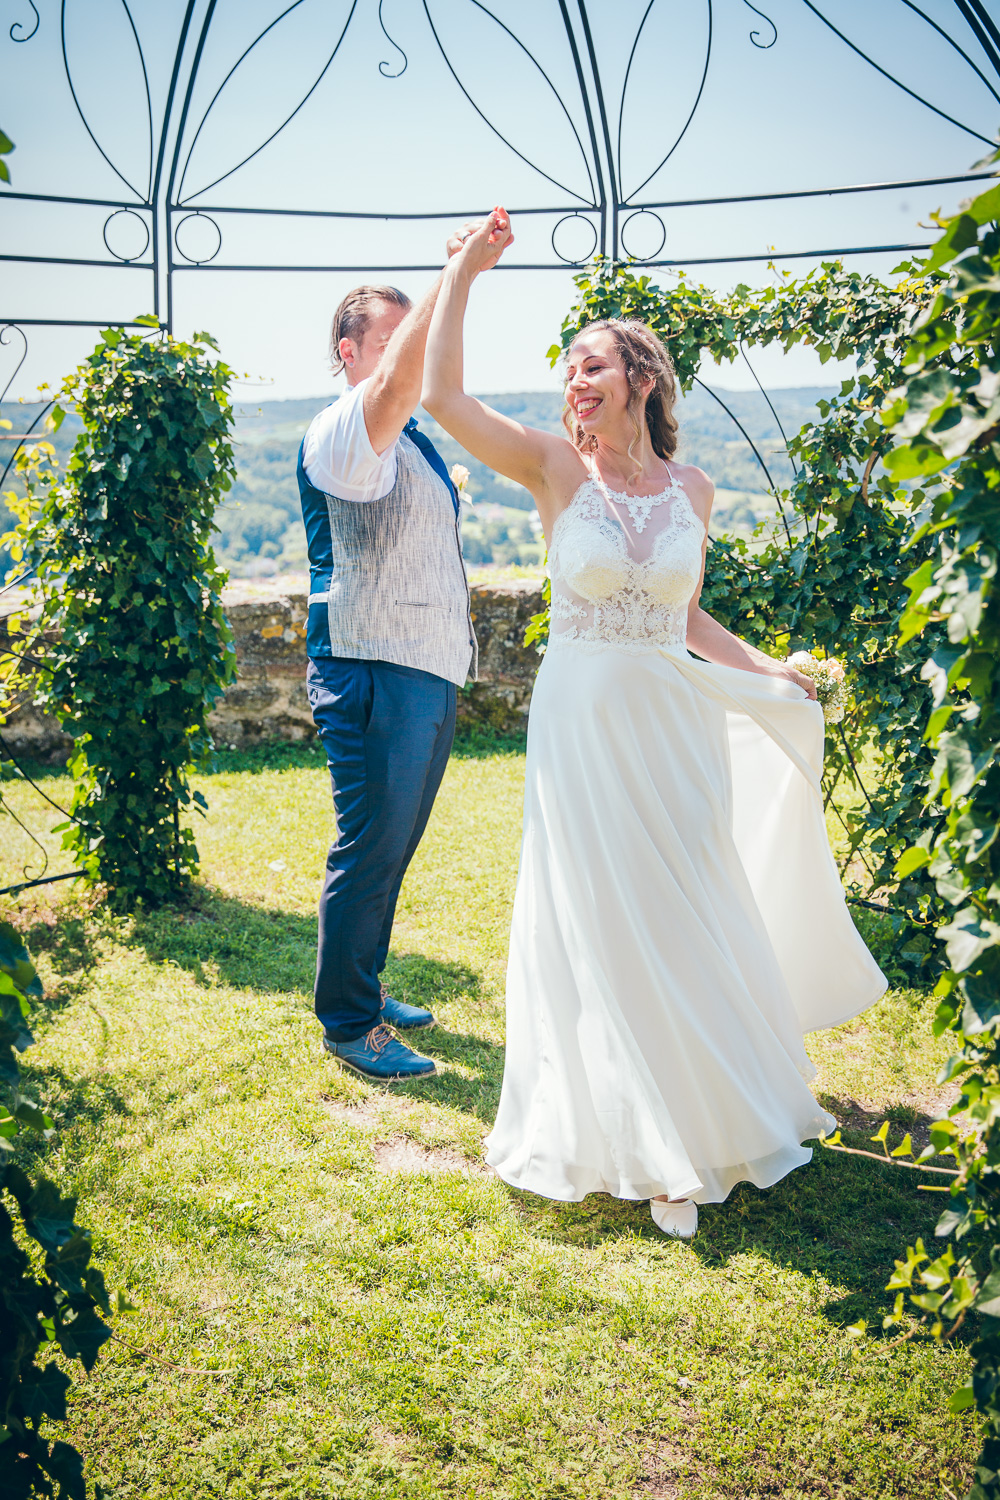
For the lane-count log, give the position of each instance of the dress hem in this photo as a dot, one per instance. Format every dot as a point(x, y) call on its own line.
point(849, 1015)
point(695, 1190)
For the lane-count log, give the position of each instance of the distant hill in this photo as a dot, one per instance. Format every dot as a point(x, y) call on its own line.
point(260, 525)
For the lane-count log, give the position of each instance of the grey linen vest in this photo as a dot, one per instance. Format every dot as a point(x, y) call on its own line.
point(399, 592)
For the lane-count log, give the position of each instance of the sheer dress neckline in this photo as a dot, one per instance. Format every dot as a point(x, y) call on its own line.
point(614, 588)
point(639, 507)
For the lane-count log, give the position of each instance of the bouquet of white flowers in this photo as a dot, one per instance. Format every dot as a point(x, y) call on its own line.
point(830, 678)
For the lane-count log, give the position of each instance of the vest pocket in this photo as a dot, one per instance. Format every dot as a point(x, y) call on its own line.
point(441, 609)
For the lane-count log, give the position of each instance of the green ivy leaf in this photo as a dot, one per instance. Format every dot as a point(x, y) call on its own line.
point(15, 963)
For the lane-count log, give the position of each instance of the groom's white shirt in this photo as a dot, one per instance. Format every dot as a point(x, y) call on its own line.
point(338, 457)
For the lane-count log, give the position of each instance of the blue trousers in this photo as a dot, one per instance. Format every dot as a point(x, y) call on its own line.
point(387, 732)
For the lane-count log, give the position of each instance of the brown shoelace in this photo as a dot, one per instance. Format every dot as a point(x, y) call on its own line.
point(378, 1038)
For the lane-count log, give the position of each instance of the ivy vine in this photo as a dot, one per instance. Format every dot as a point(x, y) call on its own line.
point(137, 645)
point(945, 419)
point(6, 147)
point(886, 554)
point(53, 1299)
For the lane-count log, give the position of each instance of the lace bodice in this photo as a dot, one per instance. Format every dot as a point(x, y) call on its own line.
point(624, 568)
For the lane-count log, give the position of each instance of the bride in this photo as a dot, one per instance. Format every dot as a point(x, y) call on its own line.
point(679, 922)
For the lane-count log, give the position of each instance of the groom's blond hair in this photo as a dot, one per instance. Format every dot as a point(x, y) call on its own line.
point(352, 317)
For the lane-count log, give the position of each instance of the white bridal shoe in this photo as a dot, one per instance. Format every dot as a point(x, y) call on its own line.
point(679, 1220)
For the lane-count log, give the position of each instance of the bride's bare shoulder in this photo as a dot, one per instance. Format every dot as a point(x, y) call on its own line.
point(564, 473)
point(565, 470)
point(697, 486)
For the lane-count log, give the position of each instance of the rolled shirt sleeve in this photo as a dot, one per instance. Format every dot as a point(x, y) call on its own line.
point(338, 457)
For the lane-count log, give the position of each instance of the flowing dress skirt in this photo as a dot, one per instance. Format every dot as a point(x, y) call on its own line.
point(678, 924)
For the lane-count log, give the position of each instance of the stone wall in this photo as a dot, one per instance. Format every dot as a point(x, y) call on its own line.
point(268, 699)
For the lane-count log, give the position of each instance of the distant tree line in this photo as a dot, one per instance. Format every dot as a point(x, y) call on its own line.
point(260, 528)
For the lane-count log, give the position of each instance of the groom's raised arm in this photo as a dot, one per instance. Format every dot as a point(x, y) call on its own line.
point(392, 394)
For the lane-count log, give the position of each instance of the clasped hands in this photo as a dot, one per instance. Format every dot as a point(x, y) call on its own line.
point(481, 242)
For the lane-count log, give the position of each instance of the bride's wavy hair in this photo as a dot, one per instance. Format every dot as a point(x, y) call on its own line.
point(644, 357)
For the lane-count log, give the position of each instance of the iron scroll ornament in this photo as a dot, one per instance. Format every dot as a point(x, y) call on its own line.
point(384, 66)
point(19, 26)
point(5, 332)
point(755, 35)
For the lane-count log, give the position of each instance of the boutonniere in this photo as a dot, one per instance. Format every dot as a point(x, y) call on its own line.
point(460, 478)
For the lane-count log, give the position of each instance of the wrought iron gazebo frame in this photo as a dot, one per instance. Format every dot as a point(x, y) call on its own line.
point(163, 207)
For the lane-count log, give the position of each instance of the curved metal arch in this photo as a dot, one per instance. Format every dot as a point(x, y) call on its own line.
point(770, 403)
point(628, 70)
point(982, 27)
point(627, 197)
point(589, 203)
point(952, 43)
point(603, 157)
point(383, 66)
point(181, 200)
point(756, 453)
point(899, 84)
point(605, 127)
point(79, 108)
point(601, 195)
point(149, 99)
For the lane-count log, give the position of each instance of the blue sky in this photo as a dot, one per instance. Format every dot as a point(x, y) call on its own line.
point(785, 105)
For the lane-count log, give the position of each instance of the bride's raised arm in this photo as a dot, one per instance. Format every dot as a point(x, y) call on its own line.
point(547, 465)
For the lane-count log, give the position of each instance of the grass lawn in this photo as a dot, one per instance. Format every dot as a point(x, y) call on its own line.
point(335, 1299)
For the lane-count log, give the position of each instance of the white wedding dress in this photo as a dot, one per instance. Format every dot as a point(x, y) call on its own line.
point(679, 922)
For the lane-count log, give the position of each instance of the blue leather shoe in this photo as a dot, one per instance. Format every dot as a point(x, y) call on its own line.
point(380, 1056)
point(404, 1017)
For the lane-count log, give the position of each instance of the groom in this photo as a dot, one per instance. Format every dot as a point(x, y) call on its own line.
point(390, 641)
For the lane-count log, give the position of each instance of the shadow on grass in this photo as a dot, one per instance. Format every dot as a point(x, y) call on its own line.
point(472, 1065)
point(472, 742)
point(842, 1217)
point(221, 940)
point(270, 755)
point(68, 942)
point(90, 1100)
point(225, 941)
